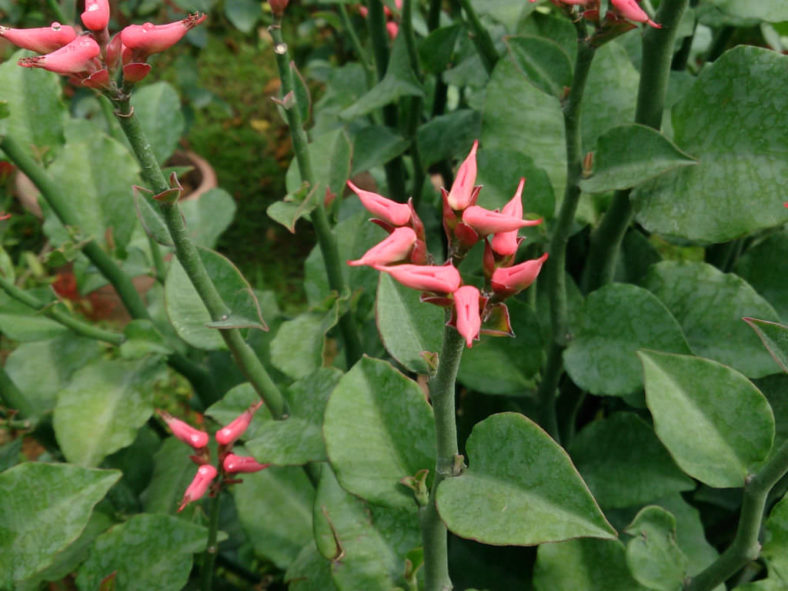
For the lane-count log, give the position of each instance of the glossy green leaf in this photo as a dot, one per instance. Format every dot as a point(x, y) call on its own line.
point(375, 145)
point(102, 408)
point(243, 14)
point(158, 110)
point(299, 346)
point(188, 314)
point(95, 174)
point(763, 267)
point(367, 545)
point(298, 439)
point(775, 547)
point(740, 140)
point(520, 489)
point(207, 217)
point(310, 571)
point(623, 462)
point(500, 172)
point(518, 116)
point(709, 305)
point(628, 155)
point(587, 564)
point(543, 62)
point(399, 81)
point(716, 424)
point(774, 337)
point(653, 556)
point(618, 320)
point(146, 552)
point(275, 510)
point(378, 429)
point(33, 498)
point(32, 98)
point(408, 327)
point(61, 357)
point(172, 473)
point(448, 136)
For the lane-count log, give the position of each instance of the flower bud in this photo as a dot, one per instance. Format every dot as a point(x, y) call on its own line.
point(229, 434)
point(394, 249)
point(278, 6)
point(199, 485)
point(185, 432)
point(42, 39)
point(396, 214)
point(143, 40)
point(440, 279)
point(96, 15)
point(75, 58)
point(466, 308)
point(507, 281)
point(462, 191)
point(505, 243)
point(630, 10)
point(486, 222)
point(233, 463)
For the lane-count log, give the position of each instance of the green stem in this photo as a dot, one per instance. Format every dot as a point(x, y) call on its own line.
point(212, 549)
point(78, 326)
point(14, 398)
point(414, 104)
point(434, 15)
point(189, 258)
point(354, 40)
point(448, 464)
point(745, 546)
point(481, 37)
point(318, 217)
point(655, 71)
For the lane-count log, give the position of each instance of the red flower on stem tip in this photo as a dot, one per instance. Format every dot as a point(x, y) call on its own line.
point(438, 279)
point(392, 212)
point(486, 222)
point(144, 40)
point(78, 57)
point(278, 6)
point(230, 434)
point(506, 243)
point(41, 39)
point(630, 10)
point(185, 432)
point(96, 15)
point(463, 190)
point(199, 485)
point(233, 464)
point(394, 249)
point(508, 281)
point(466, 309)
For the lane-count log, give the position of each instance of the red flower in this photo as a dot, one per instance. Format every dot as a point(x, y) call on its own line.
point(78, 57)
point(199, 485)
point(40, 40)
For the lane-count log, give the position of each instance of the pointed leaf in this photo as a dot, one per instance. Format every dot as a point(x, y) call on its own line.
point(763, 267)
point(628, 155)
point(375, 145)
point(774, 337)
point(653, 556)
point(33, 497)
point(374, 438)
point(448, 136)
point(520, 489)
point(543, 62)
point(716, 424)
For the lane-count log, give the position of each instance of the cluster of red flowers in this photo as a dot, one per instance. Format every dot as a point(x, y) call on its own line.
point(622, 9)
point(392, 27)
point(404, 256)
point(93, 58)
point(229, 463)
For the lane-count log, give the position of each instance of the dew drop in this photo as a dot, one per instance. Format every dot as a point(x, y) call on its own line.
point(280, 48)
point(56, 26)
point(224, 317)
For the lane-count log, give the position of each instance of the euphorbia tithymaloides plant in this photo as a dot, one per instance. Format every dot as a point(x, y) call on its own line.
point(646, 381)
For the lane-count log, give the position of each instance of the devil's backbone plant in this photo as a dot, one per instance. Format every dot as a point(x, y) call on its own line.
point(555, 360)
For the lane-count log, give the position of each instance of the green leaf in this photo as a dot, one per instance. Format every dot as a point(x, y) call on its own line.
point(448, 136)
point(774, 337)
point(775, 547)
point(709, 305)
point(618, 320)
point(299, 346)
point(149, 218)
point(32, 97)
point(543, 62)
point(623, 462)
point(762, 266)
point(774, 388)
point(716, 424)
point(518, 116)
point(500, 172)
point(374, 439)
point(33, 498)
point(275, 510)
point(207, 217)
point(505, 365)
point(770, 584)
point(146, 552)
point(142, 339)
point(61, 357)
point(773, 11)
point(520, 489)
point(243, 14)
point(298, 439)
point(653, 556)
point(587, 564)
point(399, 81)
point(628, 155)
point(437, 49)
point(158, 110)
point(408, 327)
point(172, 473)
point(236, 401)
point(188, 314)
point(95, 174)
point(102, 408)
point(740, 140)
point(309, 572)
point(21, 323)
point(505, 12)
point(375, 145)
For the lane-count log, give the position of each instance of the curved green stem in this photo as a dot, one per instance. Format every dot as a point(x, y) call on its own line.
point(318, 217)
point(189, 258)
point(745, 546)
point(212, 548)
point(448, 463)
point(655, 71)
point(481, 37)
point(78, 326)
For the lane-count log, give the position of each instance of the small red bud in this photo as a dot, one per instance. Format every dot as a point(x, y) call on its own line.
point(185, 432)
point(278, 6)
point(199, 486)
point(233, 463)
point(229, 434)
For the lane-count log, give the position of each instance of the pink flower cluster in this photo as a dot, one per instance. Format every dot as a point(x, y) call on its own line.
point(404, 256)
point(391, 24)
point(622, 9)
point(93, 58)
point(229, 463)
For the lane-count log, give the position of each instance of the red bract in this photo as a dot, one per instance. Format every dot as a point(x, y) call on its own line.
point(78, 57)
point(229, 434)
point(278, 6)
point(486, 222)
point(233, 463)
point(40, 40)
point(147, 39)
point(466, 307)
point(630, 10)
point(463, 193)
point(505, 243)
point(185, 432)
point(394, 249)
point(96, 15)
point(396, 214)
point(443, 279)
point(507, 281)
point(199, 485)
